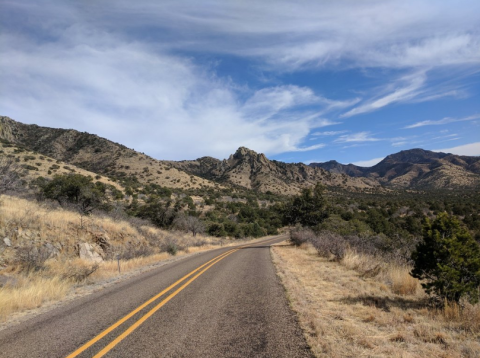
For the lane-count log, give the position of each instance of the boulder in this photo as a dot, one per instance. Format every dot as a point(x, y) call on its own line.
point(52, 250)
point(7, 242)
point(102, 240)
point(88, 252)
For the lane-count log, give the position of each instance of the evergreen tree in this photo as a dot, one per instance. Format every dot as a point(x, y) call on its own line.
point(76, 189)
point(448, 259)
point(307, 209)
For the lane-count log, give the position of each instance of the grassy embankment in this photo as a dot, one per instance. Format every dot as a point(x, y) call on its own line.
point(28, 279)
point(346, 310)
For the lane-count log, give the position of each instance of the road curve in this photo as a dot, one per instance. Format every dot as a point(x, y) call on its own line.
point(222, 303)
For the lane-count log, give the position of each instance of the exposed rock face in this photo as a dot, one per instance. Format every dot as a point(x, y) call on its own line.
point(89, 252)
point(252, 170)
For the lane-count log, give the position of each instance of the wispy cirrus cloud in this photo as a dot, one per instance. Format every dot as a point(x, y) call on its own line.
point(445, 120)
point(307, 149)
point(328, 133)
point(289, 35)
point(403, 89)
point(357, 137)
point(411, 88)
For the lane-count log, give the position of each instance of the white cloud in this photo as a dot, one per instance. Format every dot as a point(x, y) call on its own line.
point(406, 141)
point(472, 149)
point(369, 162)
point(448, 136)
point(328, 133)
point(406, 88)
point(129, 71)
point(413, 87)
point(356, 137)
point(445, 120)
point(375, 33)
point(161, 104)
point(307, 149)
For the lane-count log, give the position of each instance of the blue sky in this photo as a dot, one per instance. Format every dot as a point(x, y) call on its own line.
point(304, 81)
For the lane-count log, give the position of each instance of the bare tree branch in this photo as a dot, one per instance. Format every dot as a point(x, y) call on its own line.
point(9, 175)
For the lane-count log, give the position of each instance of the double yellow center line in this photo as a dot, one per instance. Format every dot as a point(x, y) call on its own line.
point(195, 273)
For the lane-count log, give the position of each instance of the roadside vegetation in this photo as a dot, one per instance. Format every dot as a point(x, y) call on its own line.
point(346, 313)
point(46, 251)
point(374, 288)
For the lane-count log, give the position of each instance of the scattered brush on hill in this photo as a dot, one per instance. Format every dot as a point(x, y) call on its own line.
point(41, 244)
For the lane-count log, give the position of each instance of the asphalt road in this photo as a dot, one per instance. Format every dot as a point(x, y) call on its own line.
point(231, 304)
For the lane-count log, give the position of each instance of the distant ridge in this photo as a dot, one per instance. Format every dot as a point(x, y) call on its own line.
point(417, 168)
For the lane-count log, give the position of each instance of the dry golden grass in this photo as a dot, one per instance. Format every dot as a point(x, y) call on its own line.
point(31, 292)
point(28, 223)
point(402, 282)
point(61, 277)
point(396, 276)
point(345, 313)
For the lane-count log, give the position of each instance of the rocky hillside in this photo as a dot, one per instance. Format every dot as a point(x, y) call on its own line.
point(95, 154)
point(412, 169)
point(245, 168)
point(32, 165)
point(416, 169)
point(252, 170)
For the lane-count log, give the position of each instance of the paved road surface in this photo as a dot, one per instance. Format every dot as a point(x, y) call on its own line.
point(231, 304)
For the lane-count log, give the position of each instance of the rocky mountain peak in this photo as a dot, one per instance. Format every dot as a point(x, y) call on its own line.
point(245, 154)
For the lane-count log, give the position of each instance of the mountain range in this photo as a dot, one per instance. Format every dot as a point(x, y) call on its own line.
point(415, 169)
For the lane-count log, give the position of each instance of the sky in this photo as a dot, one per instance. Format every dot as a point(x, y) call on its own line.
point(301, 81)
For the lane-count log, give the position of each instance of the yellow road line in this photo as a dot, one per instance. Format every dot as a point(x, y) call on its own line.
point(137, 324)
point(138, 309)
point(156, 297)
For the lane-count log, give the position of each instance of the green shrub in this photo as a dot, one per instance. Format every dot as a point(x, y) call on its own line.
point(308, 209)
point(76, 189)
point(448, 260)
point(216, 229)
point(29, 167)
point(170, 247)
